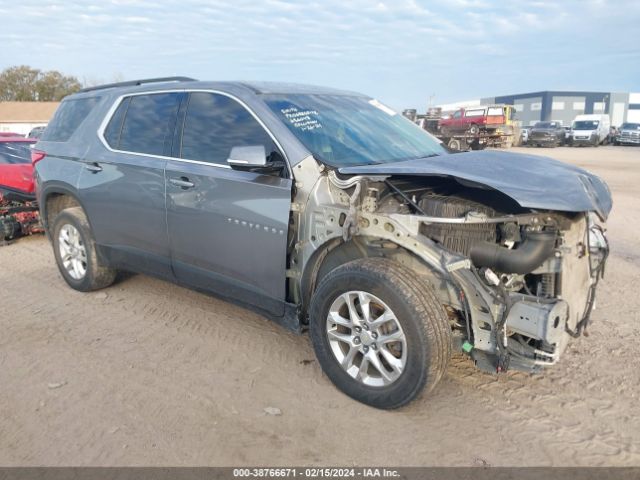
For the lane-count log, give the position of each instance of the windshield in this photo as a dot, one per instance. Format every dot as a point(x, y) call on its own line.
point(15, 152)
point(342, 130)
point(585, 124)
point(630, 126)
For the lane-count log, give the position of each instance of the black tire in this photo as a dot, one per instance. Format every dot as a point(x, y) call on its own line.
point(97, 275)
point(419, 313)
point(455, 144)
point(474, 129)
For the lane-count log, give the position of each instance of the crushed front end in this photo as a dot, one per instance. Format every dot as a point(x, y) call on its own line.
point(529, 288)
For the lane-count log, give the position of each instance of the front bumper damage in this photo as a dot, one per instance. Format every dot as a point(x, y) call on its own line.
point(527, 332)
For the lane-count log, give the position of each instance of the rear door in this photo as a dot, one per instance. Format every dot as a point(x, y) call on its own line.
point(122, 185)
point(227, 227)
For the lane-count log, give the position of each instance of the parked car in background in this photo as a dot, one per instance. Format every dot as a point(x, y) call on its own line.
point(18, 210)
point(547, 134)
point(390, 250)
point(524, 134)
point(16, 171)
point(36, 132)
point(590, 130)
point(628, 134)
point(476, 119)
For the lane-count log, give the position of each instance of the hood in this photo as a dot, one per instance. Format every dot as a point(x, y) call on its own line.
point(543, 130)
point(532, 181)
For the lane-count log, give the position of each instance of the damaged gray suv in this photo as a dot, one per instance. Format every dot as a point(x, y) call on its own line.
point(327, 211)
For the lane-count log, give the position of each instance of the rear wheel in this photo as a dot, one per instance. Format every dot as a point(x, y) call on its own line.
point(379, 332)
point(75, 252)
point(474, 129)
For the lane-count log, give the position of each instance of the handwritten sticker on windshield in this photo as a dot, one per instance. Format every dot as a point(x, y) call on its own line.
point(382, 107)
point(305, 120)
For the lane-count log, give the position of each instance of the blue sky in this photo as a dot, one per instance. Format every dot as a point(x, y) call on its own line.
point(400, 51)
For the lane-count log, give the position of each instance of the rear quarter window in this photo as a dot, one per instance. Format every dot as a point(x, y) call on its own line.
point(143, 123)
point(68, 117)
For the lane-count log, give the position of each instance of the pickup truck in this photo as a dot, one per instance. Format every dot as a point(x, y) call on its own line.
point(475, 119)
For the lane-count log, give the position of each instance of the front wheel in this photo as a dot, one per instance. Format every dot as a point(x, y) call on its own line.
point(379, 332)
point(75, 252)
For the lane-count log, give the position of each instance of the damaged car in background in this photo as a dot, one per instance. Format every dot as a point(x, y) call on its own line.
point(327, 211)
point(19, 214)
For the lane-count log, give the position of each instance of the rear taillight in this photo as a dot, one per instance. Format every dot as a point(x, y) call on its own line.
point(36, 156)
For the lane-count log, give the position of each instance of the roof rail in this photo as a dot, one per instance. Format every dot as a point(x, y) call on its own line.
point(133, 83)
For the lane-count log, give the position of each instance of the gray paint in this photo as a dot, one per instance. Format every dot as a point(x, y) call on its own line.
point(228, 232)
point(532, 181)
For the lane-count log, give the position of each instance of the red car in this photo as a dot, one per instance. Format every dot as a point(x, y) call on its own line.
point(16, 171)
point(18, 209)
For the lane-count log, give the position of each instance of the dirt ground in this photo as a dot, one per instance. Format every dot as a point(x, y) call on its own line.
point(148, 373)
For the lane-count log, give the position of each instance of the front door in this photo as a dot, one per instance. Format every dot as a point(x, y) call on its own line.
point(227, 228)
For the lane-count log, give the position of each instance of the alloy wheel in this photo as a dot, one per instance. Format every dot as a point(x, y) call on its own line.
point(366, 338)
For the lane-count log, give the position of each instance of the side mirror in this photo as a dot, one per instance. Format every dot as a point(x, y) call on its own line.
point(250, 156)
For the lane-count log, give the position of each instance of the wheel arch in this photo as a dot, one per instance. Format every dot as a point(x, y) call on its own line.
point(54, 199)
point(336, 252)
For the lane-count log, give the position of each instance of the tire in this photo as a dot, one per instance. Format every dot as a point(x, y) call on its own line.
point(418, 317)
point(474, 129)
point(444, 131)
point(455, 144)
point(83, 270)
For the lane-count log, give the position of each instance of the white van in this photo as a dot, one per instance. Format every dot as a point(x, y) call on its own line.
point(590, 129)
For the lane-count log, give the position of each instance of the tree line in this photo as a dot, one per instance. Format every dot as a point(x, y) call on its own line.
point(25, 84)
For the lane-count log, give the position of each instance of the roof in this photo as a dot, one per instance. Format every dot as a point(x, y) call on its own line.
point(27, 112)
point(235, 87)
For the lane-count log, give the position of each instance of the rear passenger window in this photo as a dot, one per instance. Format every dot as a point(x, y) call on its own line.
point(68, 117)
point(143, 123)
point(214, 124)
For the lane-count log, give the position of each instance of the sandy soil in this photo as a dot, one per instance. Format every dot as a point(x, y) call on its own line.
point(148, 373)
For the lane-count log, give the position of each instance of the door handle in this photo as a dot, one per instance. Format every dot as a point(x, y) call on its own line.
point(182, 182)
point(93, 167)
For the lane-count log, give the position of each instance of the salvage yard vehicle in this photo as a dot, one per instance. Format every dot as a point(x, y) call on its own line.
point(477, 127)
point(590, 130)
point(491, 118)
point(548, 134)
point(628, 134)
point(326, 210)
point(19, 214)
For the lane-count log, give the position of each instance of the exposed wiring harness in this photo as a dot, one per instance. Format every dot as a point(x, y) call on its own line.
point(596, 273)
